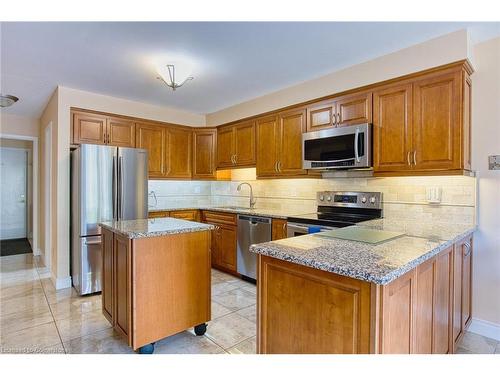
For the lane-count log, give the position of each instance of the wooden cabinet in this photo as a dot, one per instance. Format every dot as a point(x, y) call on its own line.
point(422, 126)
point(462, 288)
point(279, 144)
point(107, 275)
point(236, 145)
point(95, 128)
point(204, 154)
point(191, 215)
point(224, 239)
point(158, 214)
point(123, 290)
point(152, 138)
point(341, 111)
point(278, 229)
point(178, 153)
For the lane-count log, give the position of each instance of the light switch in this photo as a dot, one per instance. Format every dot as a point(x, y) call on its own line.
point(433, 195)
point(494, 163)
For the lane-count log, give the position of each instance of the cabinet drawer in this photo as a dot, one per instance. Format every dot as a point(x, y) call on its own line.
point(156, 214)
point(219, 217)
point(185, 215)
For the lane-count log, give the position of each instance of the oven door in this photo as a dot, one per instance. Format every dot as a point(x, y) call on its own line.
point(338, 148)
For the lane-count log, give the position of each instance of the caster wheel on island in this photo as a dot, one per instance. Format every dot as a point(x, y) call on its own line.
point(200, 329)
point(147, 349)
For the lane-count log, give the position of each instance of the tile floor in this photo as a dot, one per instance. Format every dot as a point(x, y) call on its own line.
point(35, 318)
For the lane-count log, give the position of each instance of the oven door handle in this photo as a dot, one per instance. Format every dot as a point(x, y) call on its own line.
point(356, 151)
point(298, 228)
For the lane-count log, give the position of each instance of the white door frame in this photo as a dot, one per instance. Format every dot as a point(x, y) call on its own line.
point(36, 249)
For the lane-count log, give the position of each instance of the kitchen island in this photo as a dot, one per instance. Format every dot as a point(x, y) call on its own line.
point(155, 278)
point(411, 294)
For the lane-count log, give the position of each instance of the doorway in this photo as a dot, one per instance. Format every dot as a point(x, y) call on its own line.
point(16, 189)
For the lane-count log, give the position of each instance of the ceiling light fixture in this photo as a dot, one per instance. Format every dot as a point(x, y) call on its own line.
point(172, 78)
point(7, 100)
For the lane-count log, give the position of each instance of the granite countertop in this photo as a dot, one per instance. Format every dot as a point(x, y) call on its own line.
point(264, 212)
point(142, 228)
point(380, 263)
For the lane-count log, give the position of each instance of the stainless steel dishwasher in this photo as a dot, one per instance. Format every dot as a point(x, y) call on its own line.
point(251, 230)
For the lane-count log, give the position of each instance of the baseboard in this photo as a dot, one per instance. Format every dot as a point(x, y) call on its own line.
point(37, 252)
point(62, 282)
point(485, 328)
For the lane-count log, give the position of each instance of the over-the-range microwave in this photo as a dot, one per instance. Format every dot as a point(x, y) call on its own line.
point(347, 147)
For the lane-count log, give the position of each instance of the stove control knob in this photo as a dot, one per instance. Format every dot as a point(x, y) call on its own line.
point(321, 198)
point(372, 200)
point(329, 198)
point(363, 200)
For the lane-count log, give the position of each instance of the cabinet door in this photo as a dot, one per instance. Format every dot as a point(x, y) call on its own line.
point(89, 128)
point(204, 148)
point(466, 282)
point(291, 126)
point(279, 229)
point(423, 310)
point(354, 109)
point(225, 147)
point(244, 141)
point(457, 292)
point(192, 215)
point(178, 150)
point(392, 122)
point(107, 275)
point(227, 247)
point(441, 327)
point(152, 138)
point(267, 151)
point(436, 126)
point(321, 115)
point(120, 132)
point(122, 266)
point(158, 214)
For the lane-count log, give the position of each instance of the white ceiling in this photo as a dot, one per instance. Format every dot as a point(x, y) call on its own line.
point(234, 61)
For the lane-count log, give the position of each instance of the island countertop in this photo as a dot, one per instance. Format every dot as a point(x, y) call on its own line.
point(142, 228)
point(380, 263)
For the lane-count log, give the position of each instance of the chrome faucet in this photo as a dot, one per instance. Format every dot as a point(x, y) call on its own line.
point(252, 199)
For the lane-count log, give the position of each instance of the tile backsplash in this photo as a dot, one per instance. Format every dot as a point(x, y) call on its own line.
point(403, 197)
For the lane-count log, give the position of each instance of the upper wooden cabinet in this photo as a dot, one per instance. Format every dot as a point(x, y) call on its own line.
point(178, 152)
point(152, 138)
point(279, 144)
point(423, 125)
point(236, 145)
point(101, 129)
point(204, 154)
point(341, 111)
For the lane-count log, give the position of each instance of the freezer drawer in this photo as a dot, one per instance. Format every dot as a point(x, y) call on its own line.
point(251, 230)
point(86, 265)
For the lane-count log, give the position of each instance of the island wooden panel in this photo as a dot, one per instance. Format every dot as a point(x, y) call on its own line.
point(303, 310)
point(171, 285)
point(122, 271)
point(107, 275)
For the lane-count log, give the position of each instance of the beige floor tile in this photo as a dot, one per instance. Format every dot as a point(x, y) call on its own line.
point(17, 277)
point(218, 310)
point(16, 266)
point(252, 288)
point(55, 296)
point(230, 330)
point(55, 349)
point(103, 342)
point(23, 303)
point(249, 313)
point(38, 337)
point(24, 319)
point(235, 299)
point(75, 306)
point(477, 344)
point(249, 346)
point(82, 325)
point(21, 290)
point(224, 276)
point(223, 287)
point(19, 258)
point(187, 343)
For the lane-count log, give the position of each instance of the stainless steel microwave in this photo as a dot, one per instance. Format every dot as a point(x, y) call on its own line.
point(346, 147)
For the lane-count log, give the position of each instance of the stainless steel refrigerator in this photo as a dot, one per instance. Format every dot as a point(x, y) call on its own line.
point(107, 183)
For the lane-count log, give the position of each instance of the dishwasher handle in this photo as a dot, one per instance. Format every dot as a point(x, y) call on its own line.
point(255, 220)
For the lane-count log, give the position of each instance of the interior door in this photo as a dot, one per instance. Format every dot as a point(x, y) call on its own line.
point(14, 163)
point(132, 183)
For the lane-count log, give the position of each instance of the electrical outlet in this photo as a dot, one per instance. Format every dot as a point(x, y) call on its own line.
point(494, 163)
point(433, 195)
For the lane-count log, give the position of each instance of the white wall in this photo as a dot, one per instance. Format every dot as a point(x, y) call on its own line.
point(18, 125)
point(486, 141)
point(439, 51)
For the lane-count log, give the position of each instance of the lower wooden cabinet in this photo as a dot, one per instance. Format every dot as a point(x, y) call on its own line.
point(424, 311)
point(192, 215)
point(158, 214)
point(278, 229)
point(224, 239)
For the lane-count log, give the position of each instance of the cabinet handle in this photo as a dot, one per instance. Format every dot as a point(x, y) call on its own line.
point(468, 247)
point(338, 118)
point(276, 166)
point(334, 119)
point(284, 230)
point(235, 158)
point(279, 166)
point(408, 158)
point(414, 157)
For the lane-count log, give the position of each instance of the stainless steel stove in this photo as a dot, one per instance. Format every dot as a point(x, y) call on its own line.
point(337, 209)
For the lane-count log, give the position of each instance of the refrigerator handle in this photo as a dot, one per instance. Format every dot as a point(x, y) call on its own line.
point(120, 163)
point(114, 189)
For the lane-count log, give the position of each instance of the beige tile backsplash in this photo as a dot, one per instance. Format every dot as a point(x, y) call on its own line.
point(403, 197)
